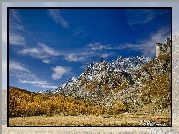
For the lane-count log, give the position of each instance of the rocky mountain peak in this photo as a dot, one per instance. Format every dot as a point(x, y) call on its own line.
point(103, 74)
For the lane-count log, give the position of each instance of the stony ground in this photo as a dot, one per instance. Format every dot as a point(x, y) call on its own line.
point(91, 120)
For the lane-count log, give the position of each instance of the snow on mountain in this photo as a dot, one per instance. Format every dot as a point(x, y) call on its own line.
point(127, 64)
point(101, 69)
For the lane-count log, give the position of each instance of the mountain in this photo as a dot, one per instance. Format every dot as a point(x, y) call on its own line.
point(134, 82)
point(101, 76)
point(152, 85)
point(132, 85)
point(127, 64)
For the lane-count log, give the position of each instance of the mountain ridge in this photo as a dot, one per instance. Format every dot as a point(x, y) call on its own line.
point(119, 64)
point(132, 85)
point(126, 81)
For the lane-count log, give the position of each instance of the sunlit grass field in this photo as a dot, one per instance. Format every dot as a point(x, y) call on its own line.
point(90, 120)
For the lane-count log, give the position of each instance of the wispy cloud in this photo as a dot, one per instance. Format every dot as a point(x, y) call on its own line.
point(41, 52)
point(46, 54)
point(97, 46)
point(38, 83)
point(15, 15)
point(74, 58)
point(56, 16)
point(88, 52)
point(15, 28)
point(24, 75)
point(13, 65)
point(15, 20)
point(79, 32)
point(46, 61)
point(15, 39)
point(105, 55)
point(147, 46)
point(86, 56)
point(136, 17)
point(140, 16)
point(59, 71)
point(47, 50)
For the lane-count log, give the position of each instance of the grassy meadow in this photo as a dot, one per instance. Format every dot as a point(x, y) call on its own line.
point(90, 120)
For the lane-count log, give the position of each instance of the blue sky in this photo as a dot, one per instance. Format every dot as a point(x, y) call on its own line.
point(47, 47)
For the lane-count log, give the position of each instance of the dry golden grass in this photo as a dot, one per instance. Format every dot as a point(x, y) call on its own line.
point(90, 120)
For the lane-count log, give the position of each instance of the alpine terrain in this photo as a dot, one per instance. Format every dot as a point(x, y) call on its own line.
point(133, 85)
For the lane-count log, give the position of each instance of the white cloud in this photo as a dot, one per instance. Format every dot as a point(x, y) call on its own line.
point(47, 50)
point(46, 61)
point(147, 46)
point(14, 65)
point(79, 32)
point(59, 71)
point(46, 53)
point(15, 23)
point(89, 51)
point(138, 16)
point(175, 10)
point(105, 55)
point(97, 46)
point(15, 15)
point(18, 70)
point(38, 83)
point(31, 51)
point(15, 27)
point(74, 58)
point(42, 52)
point(56, 16)
point(15, 39)
point(23, 75)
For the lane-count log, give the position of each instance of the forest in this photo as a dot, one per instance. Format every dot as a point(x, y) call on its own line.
point(24, 103)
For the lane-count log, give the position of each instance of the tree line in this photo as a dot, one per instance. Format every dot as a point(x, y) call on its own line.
point(25, 103)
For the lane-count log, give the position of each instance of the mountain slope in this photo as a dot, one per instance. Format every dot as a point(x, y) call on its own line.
point(103, 78)
point(152, 86)
point(134, 82)
point(107, 93)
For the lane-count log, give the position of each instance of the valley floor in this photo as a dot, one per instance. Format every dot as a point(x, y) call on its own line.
point(92, 120)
